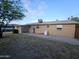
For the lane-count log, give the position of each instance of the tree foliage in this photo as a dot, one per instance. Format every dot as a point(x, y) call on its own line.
point(40, 21)
point(73, 18)
point(10, 10)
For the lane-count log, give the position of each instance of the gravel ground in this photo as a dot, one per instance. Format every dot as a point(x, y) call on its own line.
point(19, 46)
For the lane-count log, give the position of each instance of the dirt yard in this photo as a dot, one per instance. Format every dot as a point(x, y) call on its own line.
point(19, 46)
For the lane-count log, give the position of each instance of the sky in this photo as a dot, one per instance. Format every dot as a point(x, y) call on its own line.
point(48, 10)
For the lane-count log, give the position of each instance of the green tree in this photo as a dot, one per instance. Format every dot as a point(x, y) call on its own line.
point(10, 10)
point(73, 18)
point(40, 21)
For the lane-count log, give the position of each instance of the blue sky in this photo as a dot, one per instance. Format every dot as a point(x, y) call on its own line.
point(49, 10)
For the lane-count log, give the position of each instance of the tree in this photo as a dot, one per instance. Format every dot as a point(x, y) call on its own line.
point(73, 18)
point(9, 10)
point(40, 21)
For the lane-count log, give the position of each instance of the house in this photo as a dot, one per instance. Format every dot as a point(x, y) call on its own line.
point(65, 28)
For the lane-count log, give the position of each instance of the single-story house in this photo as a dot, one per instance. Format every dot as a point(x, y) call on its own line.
point(65, 28)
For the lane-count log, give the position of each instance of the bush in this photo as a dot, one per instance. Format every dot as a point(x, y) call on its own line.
point(15, 31)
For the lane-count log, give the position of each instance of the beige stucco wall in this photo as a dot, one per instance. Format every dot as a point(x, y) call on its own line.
point(67, 30)
point(18, 28)
point(41, 29)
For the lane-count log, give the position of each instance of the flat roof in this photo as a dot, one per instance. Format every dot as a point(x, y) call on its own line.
point(56, 22)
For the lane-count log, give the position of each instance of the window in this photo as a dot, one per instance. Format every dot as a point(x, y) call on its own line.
point(59, 29)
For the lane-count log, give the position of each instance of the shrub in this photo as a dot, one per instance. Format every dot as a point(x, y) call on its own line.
point(15, 31)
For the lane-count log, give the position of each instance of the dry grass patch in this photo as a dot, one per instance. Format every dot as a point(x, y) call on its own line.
point(28, 47)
